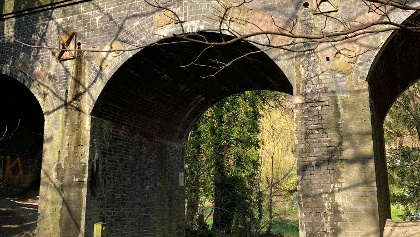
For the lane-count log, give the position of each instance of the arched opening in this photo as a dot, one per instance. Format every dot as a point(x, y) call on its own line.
point(402, 143)
point(240, 172)
point(21, 141)
point(396, 67)
point(142, 118)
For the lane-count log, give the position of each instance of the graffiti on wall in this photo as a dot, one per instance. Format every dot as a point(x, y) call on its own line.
point(13, 170)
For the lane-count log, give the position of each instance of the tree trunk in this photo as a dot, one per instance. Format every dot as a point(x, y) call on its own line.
point(221, 219)
point(192, 204)
point(270, 197)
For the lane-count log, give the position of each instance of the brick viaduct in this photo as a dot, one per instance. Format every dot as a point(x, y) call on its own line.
point(111, 126)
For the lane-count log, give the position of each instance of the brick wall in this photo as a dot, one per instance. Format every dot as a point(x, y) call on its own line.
point(134, 183)
point(115, 166)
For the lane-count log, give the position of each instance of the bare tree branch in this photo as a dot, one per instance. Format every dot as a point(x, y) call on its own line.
point(225, 22)
point(6, 134)
point(229, 21)
point(396, 4)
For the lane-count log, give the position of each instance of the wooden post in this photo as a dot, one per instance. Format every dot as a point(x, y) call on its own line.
point(99, 229)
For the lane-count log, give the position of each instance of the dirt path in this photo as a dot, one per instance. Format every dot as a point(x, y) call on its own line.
point(18, 215)
point(402, 229)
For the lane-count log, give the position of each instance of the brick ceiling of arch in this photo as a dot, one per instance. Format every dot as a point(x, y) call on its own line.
point(154, 93)
point(18, 102)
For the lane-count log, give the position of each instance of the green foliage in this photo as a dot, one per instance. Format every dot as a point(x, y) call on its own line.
point(404, 177)
point(278, 165)
point(286, 227)
point(397, 213)
point(277, 134)
point(401, 128)
point(224, 165)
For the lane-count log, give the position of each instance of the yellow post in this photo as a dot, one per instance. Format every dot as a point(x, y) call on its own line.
point(99, 229)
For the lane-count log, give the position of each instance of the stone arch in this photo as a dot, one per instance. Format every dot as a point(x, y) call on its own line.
point(370, 56)
point(191, 52)
point(394, 69)
point(142, 117)
point(27, 149)
point(21, 150)
point(32, 75)
point(140, 32)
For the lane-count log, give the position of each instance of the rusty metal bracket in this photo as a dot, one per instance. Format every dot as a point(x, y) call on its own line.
point(67, 44)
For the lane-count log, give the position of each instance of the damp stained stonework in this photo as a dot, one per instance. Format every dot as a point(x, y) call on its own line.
point(145, 104)
point(343, 62)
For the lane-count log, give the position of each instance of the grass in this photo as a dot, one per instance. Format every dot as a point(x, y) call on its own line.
point(286, 227)
point(397, 213)
point(286, 223)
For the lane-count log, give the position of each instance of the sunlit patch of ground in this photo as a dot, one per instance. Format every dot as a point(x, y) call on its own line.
point(402, 229)
point(18, 215)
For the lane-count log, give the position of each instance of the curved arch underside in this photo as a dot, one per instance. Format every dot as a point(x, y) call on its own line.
point(160, 92)
point(396, 67)
point(22, 123)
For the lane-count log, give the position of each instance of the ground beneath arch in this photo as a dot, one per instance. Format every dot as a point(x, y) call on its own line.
point(402, 229)
point(18, 215)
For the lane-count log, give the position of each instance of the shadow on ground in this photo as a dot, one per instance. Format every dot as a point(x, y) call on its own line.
point(18, 215)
